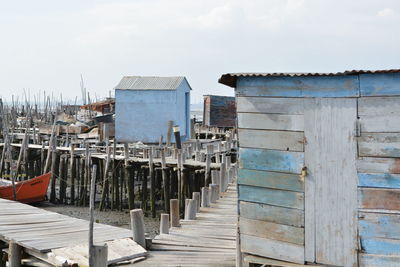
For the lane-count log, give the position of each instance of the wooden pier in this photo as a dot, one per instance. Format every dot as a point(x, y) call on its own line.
point(55, 238)
point(210, 240)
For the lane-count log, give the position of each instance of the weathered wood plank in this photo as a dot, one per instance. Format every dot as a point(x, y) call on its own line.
point(382, 84)
point(265, 212)
point(379, 198)
point(331, 182)
point(370, 260)
point(276, 180)
point(272, 248)
point(379, 145)
point(271, 160)
point(324, 86)
point(378, 165)
point(271, 139)
point(270, 121)
point(270, 105)
point(368, 106)
point(380, 123)
point(379, 225)
point(275, 197)
point(270, 230)
point(381, 246)
point(382, 180)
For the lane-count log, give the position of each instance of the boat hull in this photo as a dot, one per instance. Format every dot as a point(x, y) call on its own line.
point(29, 191)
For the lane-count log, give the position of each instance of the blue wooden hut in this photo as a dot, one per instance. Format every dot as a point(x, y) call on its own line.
point(319, 177)
point(145, 104)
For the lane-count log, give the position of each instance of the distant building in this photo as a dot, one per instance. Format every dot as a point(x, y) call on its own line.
point(144, 105)
point(219, 111)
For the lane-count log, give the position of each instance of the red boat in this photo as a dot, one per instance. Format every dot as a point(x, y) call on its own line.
point(29, 191)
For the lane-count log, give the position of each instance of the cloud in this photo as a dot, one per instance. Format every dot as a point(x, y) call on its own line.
point(386, 12)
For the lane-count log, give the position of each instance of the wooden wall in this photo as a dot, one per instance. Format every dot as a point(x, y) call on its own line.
point(271, 193)
point(379, 170)
point(270, 118)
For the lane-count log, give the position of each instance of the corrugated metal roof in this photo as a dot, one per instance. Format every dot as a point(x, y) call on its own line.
point(149, 83)
point(231, 78)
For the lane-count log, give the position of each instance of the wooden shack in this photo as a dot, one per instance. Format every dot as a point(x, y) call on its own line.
point(319, 177)
point(219, 111)
point(145, 104)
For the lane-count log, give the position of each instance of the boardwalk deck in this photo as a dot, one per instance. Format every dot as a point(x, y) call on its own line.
point(40, 232)
point(210, 240)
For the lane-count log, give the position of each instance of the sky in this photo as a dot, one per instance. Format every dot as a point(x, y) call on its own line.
point(45, 45)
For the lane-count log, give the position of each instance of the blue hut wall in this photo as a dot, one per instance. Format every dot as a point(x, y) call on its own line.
point(143, 115)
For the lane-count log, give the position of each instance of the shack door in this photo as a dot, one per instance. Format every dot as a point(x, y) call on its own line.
point(331, 181)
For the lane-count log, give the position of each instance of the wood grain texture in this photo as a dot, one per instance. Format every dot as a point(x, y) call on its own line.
point(368, 106)
point(265, 212)
point(271, 139)
point(264, 121)
point(282, 198)
point(380, 123)
point(379, 198)
point(382, 180)
point(271, 160)
point(272, 248)
point(378, 165)
point(275, 180)
point(379, 225)
point(381, 246)
point(270, 105)
point(270, 230)
point(331, 184)
point(324, 86)
point(382, 84)
point(370, 260)
point(379, 145)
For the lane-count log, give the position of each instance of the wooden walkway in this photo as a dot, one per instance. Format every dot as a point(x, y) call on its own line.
point(210, 240)
point(41, 232)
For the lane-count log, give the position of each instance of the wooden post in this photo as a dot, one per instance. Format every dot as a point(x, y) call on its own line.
point(14, 254)
point(164, 223)
point(174, 212)
point(196, 197)
point(100, 256)
point(152, 183)
point(137, 226)
point(105, 179)
point(91, 215)
point(169, 133)
point(55, 159)
point(165, 178)
point(177, 134)
point(129, 179)
point(222, 177)
point(213, 193)
point(190, 210)
point(72, 168)
point(63, 179)
point(205, 199)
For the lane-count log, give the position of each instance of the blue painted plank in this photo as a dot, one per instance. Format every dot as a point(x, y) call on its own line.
point(370, 260)
point(382, 246)
point(382, 180)
point(324, 86)
point(383, 84)
point(276, 180)
point(271, 160)
point(380, 225)
point(265, 212)
point(274, 197)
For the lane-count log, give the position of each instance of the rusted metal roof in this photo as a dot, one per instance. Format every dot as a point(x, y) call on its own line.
point(231, 78)
point(149, 83)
